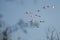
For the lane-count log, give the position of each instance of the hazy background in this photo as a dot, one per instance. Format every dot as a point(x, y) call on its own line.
point(14, 10)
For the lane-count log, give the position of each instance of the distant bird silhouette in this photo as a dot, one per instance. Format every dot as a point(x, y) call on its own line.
point(26, 12)
point(48, 6)
point(41, 21)
point(44, 7)
point(38, 10)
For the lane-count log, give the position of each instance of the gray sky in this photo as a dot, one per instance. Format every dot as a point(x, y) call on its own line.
point(14, 10)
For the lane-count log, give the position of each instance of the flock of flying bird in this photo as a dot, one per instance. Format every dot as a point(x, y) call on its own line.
point(22, 24)
point(44, 7)
point(31, 22)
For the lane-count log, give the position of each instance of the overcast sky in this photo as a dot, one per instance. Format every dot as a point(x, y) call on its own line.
point(15, 9)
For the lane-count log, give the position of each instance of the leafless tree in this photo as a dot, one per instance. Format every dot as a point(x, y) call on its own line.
point(51, 35)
